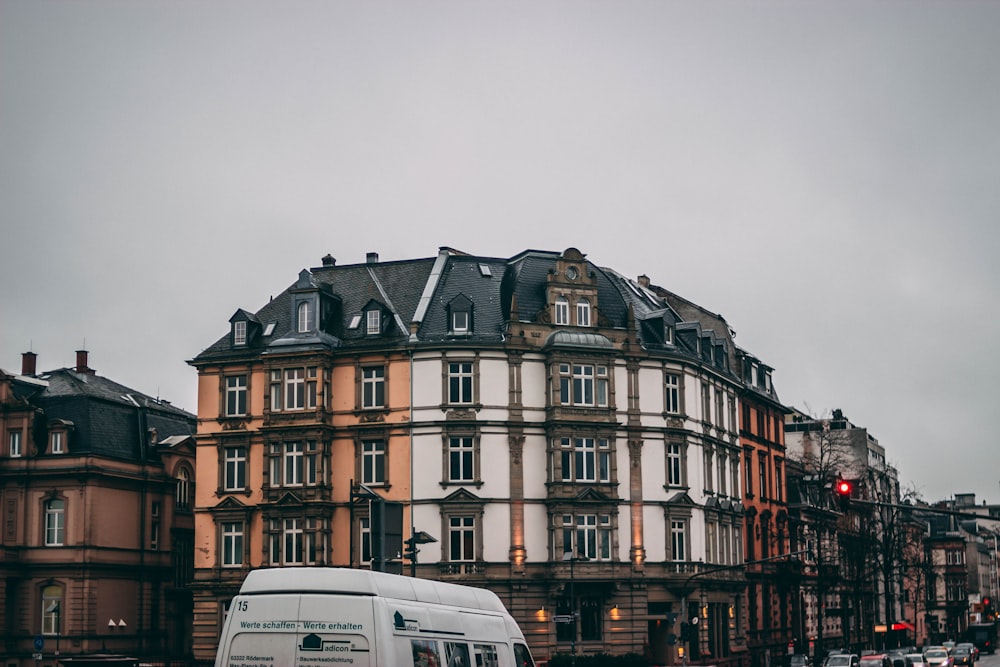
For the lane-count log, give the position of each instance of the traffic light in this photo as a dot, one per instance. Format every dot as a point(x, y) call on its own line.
point(987, 603)
point(844, 490)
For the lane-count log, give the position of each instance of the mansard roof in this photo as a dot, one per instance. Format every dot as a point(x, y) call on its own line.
point(477, 279)
point(105, 418)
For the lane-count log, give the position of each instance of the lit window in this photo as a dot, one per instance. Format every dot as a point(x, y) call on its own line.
point(240, 332)
point(55, 522)
point(562, 310)
point(583, 313)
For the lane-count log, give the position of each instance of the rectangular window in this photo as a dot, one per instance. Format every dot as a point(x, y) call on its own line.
point(593, 536)
point(583, 385)
point(678, 539)
point(51, 611)
point(762, 466)
point(373, 322)
point(235, 469)
point(56, 440)
point(293, 538)
point(232, 543)
point(460, 321)
point(240, 332)
point(462, 538)
point(365, 530)
point(373, 387)
point(583, 313)
point(460, 459)
point(315, 547)
point(748, 466)
point(585, 459)
point(779, 483)
point(311, 463)
point(726, 539)
point(55, 523)
point(706, 403)
point(275, 390)
point(674, 477)
point(673, 396)
point(373, 462)
point(15, 444)
point(154, 536)
point(723, 474)
point(236, 395)
point(295, 389)
point(720, 415)
point(293, 463)
point(460, 382)
point(562, 311)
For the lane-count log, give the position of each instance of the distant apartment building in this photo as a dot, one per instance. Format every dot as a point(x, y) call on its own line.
point(97, 541)
point(568, 437)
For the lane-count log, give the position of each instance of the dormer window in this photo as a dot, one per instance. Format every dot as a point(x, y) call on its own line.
point(304, 317)
point(562, 310)
point(460, 321)
point(668, 334)
point(373, 322)
point(240, 332)
point(57, 442)
point(583, 313)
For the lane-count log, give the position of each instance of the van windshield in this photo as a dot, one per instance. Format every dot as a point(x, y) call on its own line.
point(522, 657)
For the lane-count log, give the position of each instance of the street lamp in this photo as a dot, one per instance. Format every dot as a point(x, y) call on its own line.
point(416, 537)
point(569, 556)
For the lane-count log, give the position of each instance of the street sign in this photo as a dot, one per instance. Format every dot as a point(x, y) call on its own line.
point(563, 618)
point(36, 656)
point(39, 642)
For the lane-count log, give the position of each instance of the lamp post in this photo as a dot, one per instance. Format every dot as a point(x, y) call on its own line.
point(416, 537)
point(569, 556)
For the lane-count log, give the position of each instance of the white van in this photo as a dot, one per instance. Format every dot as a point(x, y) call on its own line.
point(328, 617)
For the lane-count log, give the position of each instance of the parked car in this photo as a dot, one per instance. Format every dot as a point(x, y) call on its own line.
point(797, 660)
point(915, 660)
point(898, 657)
point(950, 645)
point(962, 655)
point(875, 660)
point(972, 647)
point(845, 660)
point(937, 656)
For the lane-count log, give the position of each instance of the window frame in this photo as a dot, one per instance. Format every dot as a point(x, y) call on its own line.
point(232, 542)
point(469, 455)
point(676, 465)
point(304, 317)
point(560, 313)
point(236, 465)
point(583, 313)
point(589, 535)
point(576, 388)
point(373, 322)
point(374, 459)
point(240, 333)
point(373, 388)
point(672, 403)
point(14, 440)
point(54, 522)
point(183, 489)
point(56, 440)
point(235, 403)
point(584, 459)
point(51, 609)
point(462, 533)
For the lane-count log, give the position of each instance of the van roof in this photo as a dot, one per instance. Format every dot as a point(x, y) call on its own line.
point(365, 582)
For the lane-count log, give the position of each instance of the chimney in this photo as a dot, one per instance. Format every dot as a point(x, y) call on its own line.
point(81, 362)
point(329, 260)
point(28, 363)
point(644, 280)
point(372, 258)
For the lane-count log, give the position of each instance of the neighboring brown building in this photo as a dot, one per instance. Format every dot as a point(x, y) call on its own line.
point(773, 580)
point(97, 540)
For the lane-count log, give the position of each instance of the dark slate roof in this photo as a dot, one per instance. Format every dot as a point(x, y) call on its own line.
point(463, 277)
point(108, 419)
point(527, 279)
point(396, 286)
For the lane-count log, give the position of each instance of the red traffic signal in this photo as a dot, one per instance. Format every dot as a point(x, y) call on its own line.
point(987, 601)
point(844, 488)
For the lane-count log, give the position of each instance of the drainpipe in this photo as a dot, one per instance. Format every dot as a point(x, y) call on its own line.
point(413, 528)
point(139, 624)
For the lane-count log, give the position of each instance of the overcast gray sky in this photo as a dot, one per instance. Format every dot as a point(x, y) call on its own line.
point(823, 174)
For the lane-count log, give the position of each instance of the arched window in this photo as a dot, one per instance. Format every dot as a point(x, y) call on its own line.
point(583, 313)
point(55, 522)
point(305, 317)
point(51, 610)
point(562, 310)
point(183, 496)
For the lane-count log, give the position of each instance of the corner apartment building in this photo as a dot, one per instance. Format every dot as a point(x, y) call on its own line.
point(97, 543)
point(569, 439)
